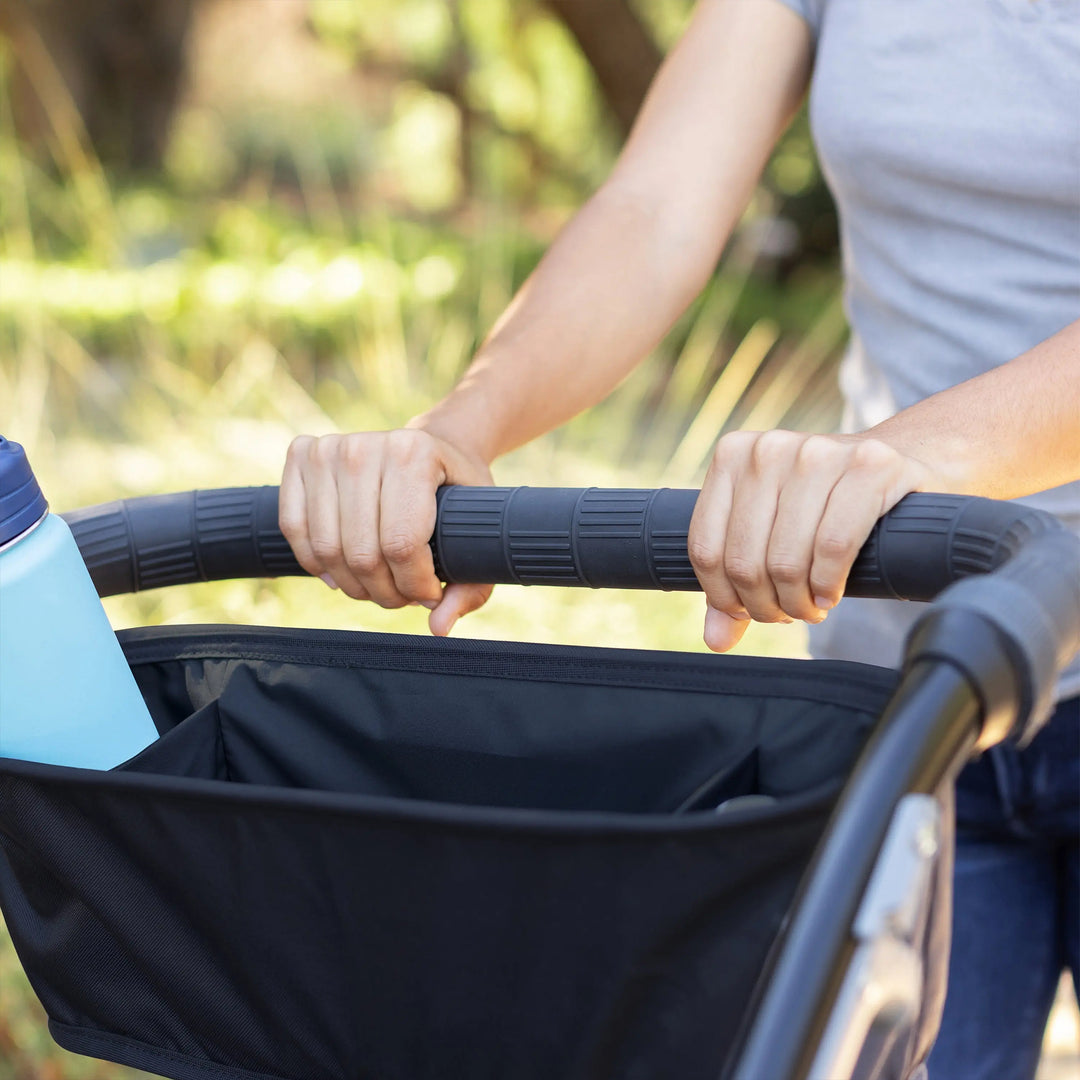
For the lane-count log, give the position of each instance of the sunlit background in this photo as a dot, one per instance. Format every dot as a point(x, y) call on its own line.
point(227, 222)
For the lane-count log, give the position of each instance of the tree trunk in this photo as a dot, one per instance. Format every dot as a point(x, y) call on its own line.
point(619, 49)
point(121, 61)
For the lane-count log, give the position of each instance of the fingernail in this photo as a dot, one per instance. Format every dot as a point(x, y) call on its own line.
point(329, 580)
point(823, 602)
point(431, 605)
point(742, 616)
point(787, 619)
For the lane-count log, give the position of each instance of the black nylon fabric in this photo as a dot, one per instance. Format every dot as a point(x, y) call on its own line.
point(367, 856)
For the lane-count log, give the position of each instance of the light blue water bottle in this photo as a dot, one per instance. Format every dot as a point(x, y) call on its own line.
point(67, 696)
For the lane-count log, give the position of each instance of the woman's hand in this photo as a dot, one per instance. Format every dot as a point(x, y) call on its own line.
point(781, 518)
point(359, 511)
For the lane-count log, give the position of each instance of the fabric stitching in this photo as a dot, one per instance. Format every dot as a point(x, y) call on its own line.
point(76, 1035)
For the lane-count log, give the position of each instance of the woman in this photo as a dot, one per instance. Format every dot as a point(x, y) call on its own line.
point(950, 136)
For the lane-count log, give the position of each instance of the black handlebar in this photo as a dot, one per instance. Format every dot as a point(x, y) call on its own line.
point(534, 536)
point(180, 539)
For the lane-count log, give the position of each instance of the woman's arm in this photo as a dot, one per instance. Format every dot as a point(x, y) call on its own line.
point(641, 249)
point(782, 514)
point(359, 509)
point(1011, 431)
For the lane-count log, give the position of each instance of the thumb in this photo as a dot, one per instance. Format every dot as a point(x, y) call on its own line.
point(457, 600)
point(722, 632)
point(461, 468)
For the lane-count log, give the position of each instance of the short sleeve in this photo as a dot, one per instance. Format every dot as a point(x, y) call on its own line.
point(810, 10)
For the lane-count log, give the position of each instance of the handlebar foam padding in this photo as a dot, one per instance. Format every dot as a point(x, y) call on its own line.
point(638, 539)
point(592, 537)
point(157, 540)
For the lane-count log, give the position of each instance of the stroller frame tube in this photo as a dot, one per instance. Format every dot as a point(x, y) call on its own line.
point(925, 736)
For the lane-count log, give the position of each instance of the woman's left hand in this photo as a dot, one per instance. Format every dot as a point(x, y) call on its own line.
point(781, 518)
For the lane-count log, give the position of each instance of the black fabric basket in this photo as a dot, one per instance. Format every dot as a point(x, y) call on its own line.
point(368, 856)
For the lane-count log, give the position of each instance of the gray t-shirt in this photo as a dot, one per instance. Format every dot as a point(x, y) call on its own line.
point(949, 134)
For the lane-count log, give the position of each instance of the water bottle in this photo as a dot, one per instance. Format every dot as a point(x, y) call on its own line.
point(67, 696)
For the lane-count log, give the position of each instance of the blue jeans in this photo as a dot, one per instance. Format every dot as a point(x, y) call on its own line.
point(1016, 903)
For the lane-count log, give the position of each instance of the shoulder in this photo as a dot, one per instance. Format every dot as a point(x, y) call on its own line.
point(810, 10)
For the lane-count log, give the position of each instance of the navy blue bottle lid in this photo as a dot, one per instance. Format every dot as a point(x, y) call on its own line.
point(21, 501)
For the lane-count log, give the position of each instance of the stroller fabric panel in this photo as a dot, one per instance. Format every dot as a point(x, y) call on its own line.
point(356, 856)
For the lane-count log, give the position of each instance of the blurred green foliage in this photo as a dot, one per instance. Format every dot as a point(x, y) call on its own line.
point(316, 264)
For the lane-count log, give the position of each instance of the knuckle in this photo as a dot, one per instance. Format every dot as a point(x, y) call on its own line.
point(363, 561)
point(353, 590)
point(300, 447)
point(704, 555)
point(871, 454)
point(769, 615)
point(404, 444)
point(356, 450)
point(391, 603)
point(325, 549)
point(816, 452)
point(786, 570)
point(836, 546)
point(733, 446)
point(325, 450)
point(771, 447)
point(745, 572)
point(401, 547)
point(291, 525)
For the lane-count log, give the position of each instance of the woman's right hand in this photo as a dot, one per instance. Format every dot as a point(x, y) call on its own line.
point(359, 511)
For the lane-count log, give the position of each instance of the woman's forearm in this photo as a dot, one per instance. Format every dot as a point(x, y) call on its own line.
point(1009, 432)
point(602, 297)
point(631, 261)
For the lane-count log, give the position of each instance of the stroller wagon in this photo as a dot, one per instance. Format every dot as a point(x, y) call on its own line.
point(377, 857)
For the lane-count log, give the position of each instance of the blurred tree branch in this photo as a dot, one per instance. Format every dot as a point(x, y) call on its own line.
point(619, 49)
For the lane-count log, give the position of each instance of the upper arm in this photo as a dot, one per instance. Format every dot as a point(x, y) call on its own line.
point(712, 116)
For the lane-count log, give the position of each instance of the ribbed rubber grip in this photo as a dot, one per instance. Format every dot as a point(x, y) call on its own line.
point(637, 539)
point(157, 540)
point(592, 537)
point(612, 539)
point(926, 542)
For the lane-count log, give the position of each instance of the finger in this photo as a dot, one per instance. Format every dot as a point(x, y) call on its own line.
point(321, 511)
point(707, 537)
point(457, 600)
point(753, 514)
point(407, 516)
point(854, 506)
point(724, 631)
point(358, 522)
point(292, 507)
point(800, 507)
